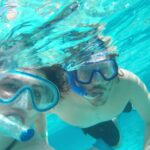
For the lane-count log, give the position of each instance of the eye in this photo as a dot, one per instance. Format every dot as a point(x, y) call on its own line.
point(37, 91)
point(37, 94)
point(10, 86)
point(84, 74)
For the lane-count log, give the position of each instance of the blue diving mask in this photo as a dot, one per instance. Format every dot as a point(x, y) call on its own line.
point(43, 94)
point(24, 92)
point(107, 69)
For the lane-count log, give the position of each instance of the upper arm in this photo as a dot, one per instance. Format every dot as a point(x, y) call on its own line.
point(140, 98)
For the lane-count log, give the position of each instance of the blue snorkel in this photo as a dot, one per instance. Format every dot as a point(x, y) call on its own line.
point(12, 128)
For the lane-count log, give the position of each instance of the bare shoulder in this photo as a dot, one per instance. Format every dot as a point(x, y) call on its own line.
point(133, 80)
point(123, 83)
point(127, 75)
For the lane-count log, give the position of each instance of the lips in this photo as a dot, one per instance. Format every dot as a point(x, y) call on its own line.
point(96, 91)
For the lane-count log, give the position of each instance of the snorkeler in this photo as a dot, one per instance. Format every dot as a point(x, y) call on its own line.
point(97, 92)
point(23, 103)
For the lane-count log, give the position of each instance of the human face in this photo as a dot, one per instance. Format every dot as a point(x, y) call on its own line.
point(93, 78)
point(107, 69)
point(23, 96)
point(17, 84)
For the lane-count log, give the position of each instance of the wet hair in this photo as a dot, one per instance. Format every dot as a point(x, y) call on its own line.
point(57, 75)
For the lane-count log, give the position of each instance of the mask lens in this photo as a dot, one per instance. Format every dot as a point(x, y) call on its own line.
point(108, 69)
point(46, 95)
point(83, 75)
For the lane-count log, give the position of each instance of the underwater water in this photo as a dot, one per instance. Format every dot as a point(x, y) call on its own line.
point(48, 32)
point(52, 31)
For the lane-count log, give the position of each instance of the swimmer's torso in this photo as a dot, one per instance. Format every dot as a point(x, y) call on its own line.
point(76, 110)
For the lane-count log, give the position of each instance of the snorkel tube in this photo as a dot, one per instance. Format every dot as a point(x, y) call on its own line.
point(11, 127)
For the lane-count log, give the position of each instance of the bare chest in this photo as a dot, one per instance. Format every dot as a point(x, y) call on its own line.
point(80, 112)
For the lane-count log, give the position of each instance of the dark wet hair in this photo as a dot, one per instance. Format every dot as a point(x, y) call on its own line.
point(57, 75)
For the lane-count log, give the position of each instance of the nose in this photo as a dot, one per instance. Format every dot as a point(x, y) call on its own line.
point(23, 101)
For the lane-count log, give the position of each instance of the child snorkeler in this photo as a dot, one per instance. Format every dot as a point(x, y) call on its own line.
point(23, 104)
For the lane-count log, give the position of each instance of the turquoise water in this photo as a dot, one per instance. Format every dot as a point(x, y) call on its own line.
point(49, 32)
point(43, 32)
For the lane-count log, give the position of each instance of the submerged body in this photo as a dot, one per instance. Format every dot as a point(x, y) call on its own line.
point(85, 103)
point(78, 111)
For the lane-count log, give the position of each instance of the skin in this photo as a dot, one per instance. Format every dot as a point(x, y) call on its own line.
point(79, 111)
point(29, 116)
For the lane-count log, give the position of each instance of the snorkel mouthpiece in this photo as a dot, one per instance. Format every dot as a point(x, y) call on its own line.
point(26, 135)
point(13, 128)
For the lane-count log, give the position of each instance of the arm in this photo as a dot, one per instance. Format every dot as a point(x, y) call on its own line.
point(141, 101)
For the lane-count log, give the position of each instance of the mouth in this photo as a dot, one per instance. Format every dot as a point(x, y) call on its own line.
point(96, 91)
point(97, 87)
point(92, 97)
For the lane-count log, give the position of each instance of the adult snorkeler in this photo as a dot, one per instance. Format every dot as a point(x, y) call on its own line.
point(98, 91)
point(23, 103)
point(108, 89)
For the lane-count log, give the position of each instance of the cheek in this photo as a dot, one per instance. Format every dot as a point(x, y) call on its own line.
point(104, 82)
point(31, 116)
point(4, 107)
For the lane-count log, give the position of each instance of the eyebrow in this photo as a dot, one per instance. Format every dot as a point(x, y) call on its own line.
point(10, 79)
point(38, 86)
